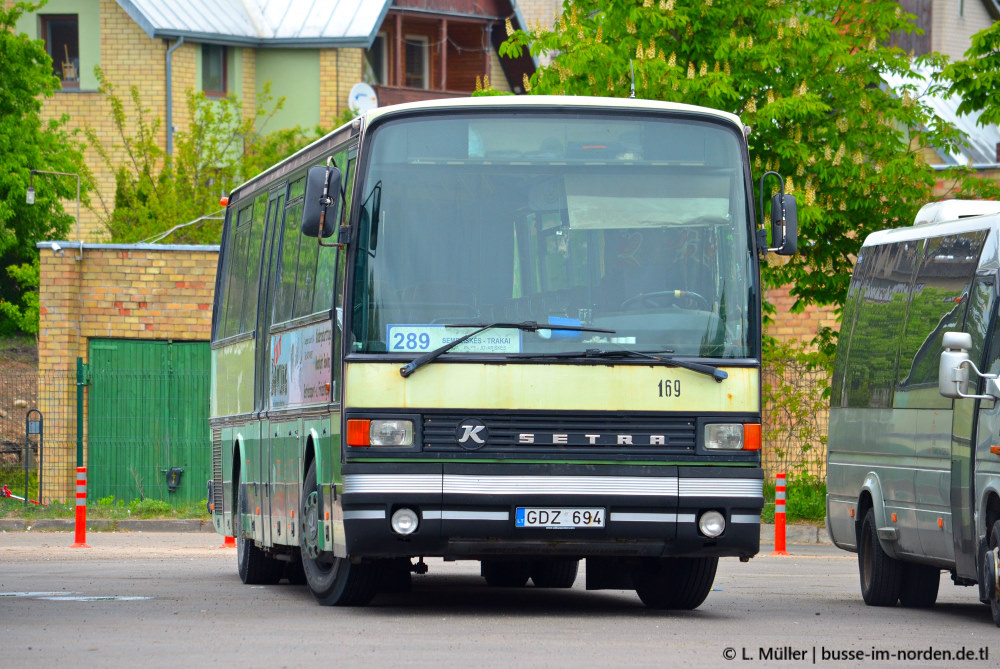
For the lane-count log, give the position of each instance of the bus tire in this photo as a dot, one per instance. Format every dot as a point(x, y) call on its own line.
point(919, 587)
point(675, 583)
point(554, 572)
point(993, 543)
point(255, 566)
point(881, 575)
point(505, 573)
point(333, 581)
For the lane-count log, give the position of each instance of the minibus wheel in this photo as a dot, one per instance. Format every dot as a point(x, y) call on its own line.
point(990, 561)
point(881, 575)
point(675, 583)
point(333, 581)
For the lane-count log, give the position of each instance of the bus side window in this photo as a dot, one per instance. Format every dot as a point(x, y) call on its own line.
point(868, 380)
point(837, 396)
point(235, 281)
point(939, 301)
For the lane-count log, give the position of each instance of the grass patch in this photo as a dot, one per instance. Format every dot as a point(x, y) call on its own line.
point(804, 502)
point(107, 508)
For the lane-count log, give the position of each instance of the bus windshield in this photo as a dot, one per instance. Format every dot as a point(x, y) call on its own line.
point(633, 224)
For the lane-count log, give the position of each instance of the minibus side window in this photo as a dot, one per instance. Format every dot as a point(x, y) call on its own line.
point(940, 299)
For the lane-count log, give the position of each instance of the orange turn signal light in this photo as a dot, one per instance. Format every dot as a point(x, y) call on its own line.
point(224, 202)
point(751, 437)
point(359, 432)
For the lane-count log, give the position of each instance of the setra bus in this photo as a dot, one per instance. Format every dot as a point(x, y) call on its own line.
point(519, 330)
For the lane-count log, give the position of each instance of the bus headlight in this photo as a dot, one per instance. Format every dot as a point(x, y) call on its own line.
point(362, 432)
point(404, 521)
point(724, 436)
point(712, 524)
point(732, 436)
point(391, 433)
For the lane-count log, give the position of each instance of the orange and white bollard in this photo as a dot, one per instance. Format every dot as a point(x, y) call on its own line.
point(81, 509)
point(779, 515)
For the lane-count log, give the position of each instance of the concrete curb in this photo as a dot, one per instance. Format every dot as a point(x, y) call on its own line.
point(794, 534)
point(97, 525)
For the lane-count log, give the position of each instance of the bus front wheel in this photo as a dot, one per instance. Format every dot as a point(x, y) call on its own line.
point(333, 581)
point(675, 583)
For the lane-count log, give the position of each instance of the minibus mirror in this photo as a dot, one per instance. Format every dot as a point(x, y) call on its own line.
point(784, 224)
point(953, 370)
point(322, 186)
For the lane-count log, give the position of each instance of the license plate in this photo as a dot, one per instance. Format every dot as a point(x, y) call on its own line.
point(558, 517)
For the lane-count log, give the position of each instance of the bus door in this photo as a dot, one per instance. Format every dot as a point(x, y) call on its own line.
point(263, 366)
point(977, 426)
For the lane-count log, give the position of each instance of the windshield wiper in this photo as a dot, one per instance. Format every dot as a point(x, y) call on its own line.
point(526, 326)
point(718, 374)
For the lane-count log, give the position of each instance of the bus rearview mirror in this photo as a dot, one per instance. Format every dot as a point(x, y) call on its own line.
point(953, 368)
point(784, 224)
point(322, 191)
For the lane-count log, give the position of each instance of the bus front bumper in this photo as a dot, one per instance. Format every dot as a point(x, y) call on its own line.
point(471, 511)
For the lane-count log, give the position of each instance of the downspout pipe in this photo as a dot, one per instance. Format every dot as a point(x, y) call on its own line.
point(170, 104)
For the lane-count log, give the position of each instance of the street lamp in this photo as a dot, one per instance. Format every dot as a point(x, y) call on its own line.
point(30, 198)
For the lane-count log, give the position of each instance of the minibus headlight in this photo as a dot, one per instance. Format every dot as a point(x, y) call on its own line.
point(391, 432)
point(724, 436)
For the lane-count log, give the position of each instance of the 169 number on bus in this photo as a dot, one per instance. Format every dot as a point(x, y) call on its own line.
point(669, 387)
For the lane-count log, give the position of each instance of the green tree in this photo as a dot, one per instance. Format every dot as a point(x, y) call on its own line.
point(976, 79)
point(156, 193)
point(806, 75)
point(26, 143)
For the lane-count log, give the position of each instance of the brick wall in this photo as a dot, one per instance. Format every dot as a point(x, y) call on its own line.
point(339, 69)
point(128, 292)
point(788, 327)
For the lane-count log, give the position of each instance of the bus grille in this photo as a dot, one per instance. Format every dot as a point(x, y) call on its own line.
point(217, 494)
point(535, 433)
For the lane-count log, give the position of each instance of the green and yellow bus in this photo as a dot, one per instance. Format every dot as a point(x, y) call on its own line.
point(519, 330)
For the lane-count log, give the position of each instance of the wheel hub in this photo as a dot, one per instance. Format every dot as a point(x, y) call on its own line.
point(310, 524)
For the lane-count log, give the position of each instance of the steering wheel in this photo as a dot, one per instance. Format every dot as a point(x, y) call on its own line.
point(663, 298)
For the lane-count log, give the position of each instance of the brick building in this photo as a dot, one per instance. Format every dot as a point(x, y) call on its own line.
point(312, 54)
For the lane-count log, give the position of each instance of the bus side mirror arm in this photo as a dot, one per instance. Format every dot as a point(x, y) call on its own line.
point(954, 366)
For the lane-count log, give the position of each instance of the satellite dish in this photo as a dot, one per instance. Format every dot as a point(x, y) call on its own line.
point(362, 98)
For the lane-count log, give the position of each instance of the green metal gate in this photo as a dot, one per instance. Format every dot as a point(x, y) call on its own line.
point(147, 419)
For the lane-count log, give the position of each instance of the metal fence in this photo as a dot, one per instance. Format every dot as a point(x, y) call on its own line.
point(795, 420)
point(48, 453)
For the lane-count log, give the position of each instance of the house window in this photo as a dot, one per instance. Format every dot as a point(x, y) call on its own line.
point(417, 61)
point(376, 62)
point(61, 34)
point(213, 70)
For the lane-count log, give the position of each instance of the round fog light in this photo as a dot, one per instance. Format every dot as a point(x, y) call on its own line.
point(405, 521)
point(712, 524)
